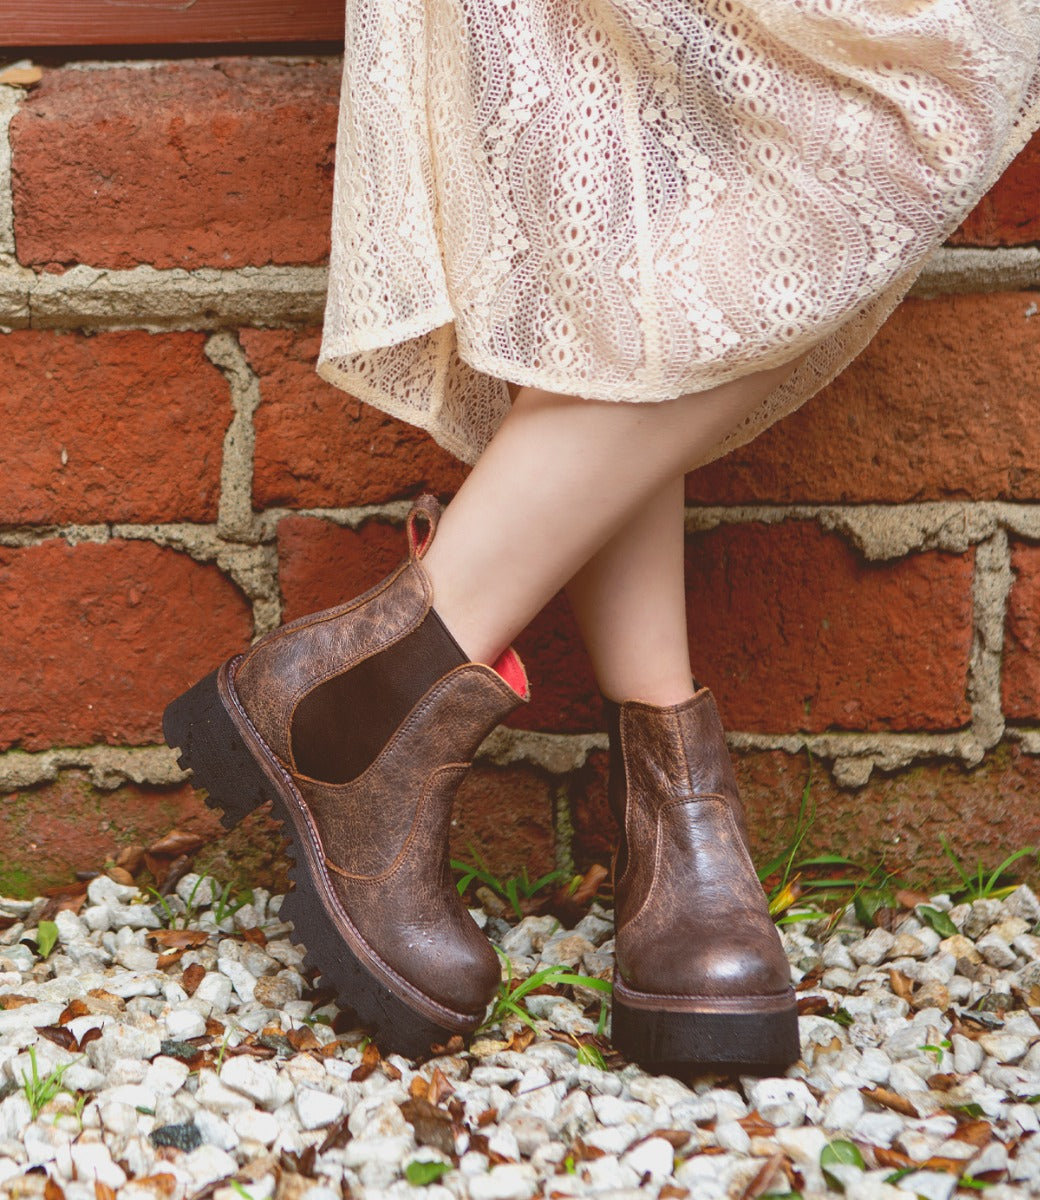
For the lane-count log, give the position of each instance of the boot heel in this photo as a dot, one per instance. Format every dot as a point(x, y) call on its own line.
point(197, 724)
point(751, 1043)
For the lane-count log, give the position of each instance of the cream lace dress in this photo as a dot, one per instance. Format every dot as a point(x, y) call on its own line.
point(631, 200)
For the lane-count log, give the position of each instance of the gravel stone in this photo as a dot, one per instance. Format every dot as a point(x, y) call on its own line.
point(506, 1181)
point(733, 1137)
point(655, 1157)
point(183, 1023)
point(119, 1041)
point(996, 950)
point(257, 1080)
point(873, 949)
point(318, 1109)
point(93, 1161)
point(532, 1104)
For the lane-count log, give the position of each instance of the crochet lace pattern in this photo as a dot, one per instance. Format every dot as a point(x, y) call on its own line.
point(631, 201)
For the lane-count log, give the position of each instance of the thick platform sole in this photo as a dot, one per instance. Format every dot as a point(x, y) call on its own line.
point(752, 1036)
point(238, 780)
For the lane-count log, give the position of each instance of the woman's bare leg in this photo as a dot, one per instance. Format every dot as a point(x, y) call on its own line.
point(630, 602)
point(560, 478)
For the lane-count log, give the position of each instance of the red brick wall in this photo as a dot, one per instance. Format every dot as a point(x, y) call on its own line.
point(864, 579)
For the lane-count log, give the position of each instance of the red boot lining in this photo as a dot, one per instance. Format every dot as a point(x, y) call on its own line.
point(509, 666)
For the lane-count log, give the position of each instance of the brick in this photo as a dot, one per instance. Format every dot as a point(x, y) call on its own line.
point(1008, 215)
point(66, 826)
point(564, 696)
point(318, 447)
point(1020, 682)
point(984, 812)
point(115, 427)
point(794, 631)
point(505, 815)
point(216, 162)
point(916, 417)
point(98, 638)
point(322, 564)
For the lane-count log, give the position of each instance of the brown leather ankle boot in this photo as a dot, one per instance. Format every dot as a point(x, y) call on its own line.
point(358, 724)
point(701, 976)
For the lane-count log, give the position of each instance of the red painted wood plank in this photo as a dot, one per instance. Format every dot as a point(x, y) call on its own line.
point(129, 22)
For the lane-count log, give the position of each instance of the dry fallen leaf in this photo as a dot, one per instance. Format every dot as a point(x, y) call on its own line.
point(890, 1100)
point(938, 1162)
point(900, 984)
point(14, 1000)
point(121, 875)
point(370, 1057)
point(131, 858)
point(590, 884)
point(766, 1174)
point(338, 1135)
point(176, 843)
point(432, 1125)
point(19, 76)
point(100, 1001)
point(976, 1133)
point(60, 1036)
point(676, 1138)
point(74, 1008)
point(884, 1156)
point(521, 1039)
point(192, 976)
point(754, 1125)
point(303, 1039)
point(179, 939)
point(163, 1183)
point(440, 1086)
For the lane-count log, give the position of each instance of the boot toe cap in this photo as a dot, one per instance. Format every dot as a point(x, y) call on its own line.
point(458, 971)
point(721, 965)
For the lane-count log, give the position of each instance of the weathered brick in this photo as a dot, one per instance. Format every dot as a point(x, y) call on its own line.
point(115, 427)
point(984, 813)
point(794, 631)
point(1020, 683)
point(322, 564)
point(316, 446)
point(1008, 215)
point(67, 826)
point(915, 417)
point(98, 638)
point(505, 815)
point(216, 162)
point(564, 696)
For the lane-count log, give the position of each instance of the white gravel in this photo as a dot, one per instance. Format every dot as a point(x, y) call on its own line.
point(202, 1063)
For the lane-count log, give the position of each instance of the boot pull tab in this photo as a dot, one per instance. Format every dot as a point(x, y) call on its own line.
point(421, 525)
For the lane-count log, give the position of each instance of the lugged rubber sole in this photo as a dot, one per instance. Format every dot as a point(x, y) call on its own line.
point(760, 1040)
point(237, 781)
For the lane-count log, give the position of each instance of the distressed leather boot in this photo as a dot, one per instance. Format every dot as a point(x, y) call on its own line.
point(357, 724)
point(701, 978)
